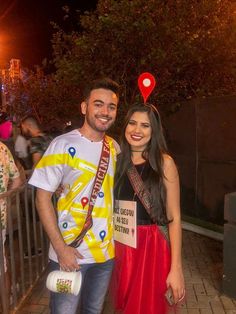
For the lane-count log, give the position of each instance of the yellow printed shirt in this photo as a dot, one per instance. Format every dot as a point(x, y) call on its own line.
point(72, 160)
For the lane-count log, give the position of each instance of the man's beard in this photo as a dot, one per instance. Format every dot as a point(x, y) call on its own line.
point(99, 127)
point(26, 134)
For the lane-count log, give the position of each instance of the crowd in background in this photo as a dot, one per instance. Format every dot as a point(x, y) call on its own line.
point(27, 140)
point(22, 145)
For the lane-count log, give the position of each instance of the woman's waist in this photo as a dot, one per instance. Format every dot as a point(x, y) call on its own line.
point(141, 222)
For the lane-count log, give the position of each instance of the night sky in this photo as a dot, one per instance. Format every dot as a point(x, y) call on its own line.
point(25, 29)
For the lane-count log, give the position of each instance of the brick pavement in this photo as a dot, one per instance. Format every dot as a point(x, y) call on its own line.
point(203, 268)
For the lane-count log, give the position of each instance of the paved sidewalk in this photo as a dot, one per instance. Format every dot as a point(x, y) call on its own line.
point(203, 268)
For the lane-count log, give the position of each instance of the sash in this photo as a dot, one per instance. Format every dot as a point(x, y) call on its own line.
point(100, 175)
point(143, 195)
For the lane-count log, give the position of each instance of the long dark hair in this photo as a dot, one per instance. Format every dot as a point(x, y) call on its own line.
point(153, 154)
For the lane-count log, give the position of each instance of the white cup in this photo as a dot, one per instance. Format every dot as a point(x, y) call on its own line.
point(64, 282)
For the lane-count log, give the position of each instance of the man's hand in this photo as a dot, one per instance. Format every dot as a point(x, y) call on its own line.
point(67, 258)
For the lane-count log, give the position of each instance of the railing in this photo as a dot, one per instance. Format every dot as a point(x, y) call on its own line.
point(25, 249)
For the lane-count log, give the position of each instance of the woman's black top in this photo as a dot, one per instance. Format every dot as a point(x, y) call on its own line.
point(125, 192)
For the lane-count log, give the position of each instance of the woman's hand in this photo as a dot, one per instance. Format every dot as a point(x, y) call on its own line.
point(175, 280)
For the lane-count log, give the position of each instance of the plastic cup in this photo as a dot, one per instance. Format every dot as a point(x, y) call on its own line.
point(64, 282)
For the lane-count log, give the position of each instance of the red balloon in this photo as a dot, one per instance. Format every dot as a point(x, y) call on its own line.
point(146, 84)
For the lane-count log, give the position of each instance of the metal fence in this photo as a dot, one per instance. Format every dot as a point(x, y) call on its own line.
point(24, 252)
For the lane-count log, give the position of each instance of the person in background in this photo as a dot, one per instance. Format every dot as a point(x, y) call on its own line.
point(39, 141)
point(6, 128)
point(9, 180)
point(22, 150)
point(83, 162)
point(143, 275)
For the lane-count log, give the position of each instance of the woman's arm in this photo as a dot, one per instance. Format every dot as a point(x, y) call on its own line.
point(175, 277)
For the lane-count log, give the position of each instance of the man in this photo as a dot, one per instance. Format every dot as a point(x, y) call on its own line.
point(83, 161)
point(39, 141)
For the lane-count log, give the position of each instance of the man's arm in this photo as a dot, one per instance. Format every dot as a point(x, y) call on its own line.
point(15, 183)
point(13, 171)
point(35, 158)
point(67, 256)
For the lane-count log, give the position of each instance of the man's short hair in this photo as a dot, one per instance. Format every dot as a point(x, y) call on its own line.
point(30, 120)
point(105, 83)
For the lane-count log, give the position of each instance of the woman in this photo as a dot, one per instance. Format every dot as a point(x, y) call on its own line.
point(143, 275)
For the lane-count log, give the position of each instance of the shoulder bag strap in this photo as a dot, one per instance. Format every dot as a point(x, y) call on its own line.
point(143, 195)
point(138, 187)
point(100, 175)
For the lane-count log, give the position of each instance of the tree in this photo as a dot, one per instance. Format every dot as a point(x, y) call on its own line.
point(188, 46)
point(52, 101)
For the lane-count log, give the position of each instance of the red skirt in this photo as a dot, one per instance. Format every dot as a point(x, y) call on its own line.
point(139, 278)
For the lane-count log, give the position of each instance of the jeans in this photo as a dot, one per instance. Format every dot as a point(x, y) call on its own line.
point(95, 281)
